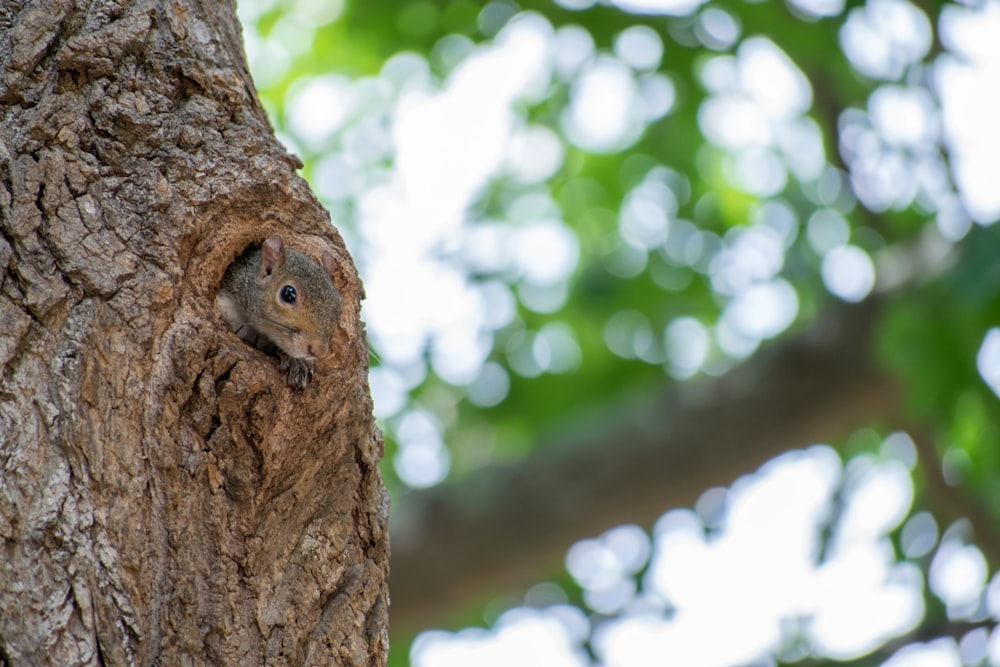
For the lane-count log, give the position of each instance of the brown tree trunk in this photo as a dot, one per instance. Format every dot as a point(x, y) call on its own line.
point(165, 498)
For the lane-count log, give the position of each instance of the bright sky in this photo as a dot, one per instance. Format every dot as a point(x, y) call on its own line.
point(746, 591)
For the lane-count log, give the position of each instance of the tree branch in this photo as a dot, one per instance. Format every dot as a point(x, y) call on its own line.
point(460, 543)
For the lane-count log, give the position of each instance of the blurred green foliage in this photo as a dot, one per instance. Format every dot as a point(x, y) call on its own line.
point(937, 314)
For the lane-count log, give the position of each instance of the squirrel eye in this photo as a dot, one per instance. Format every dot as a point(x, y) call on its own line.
point(288, 294)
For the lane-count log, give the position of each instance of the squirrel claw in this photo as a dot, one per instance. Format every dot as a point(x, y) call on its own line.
point(300, 371)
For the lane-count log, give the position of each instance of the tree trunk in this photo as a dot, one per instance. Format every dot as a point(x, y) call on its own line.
point(166, 498)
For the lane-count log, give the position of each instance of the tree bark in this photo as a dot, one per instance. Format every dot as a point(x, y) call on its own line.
point(166, 498)
point(454, 545)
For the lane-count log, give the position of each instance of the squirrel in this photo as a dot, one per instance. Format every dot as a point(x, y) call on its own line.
point(282, 302)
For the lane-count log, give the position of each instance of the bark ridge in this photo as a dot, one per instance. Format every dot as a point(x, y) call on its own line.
point(165, 498)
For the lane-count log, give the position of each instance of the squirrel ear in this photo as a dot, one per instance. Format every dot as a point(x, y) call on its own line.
point(329, 263)
point(272, 256)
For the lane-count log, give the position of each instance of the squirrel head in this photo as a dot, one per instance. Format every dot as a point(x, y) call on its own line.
point(301, 306)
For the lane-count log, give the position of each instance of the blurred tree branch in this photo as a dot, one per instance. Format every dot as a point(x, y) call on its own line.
point(499, 528)
point(950, 502)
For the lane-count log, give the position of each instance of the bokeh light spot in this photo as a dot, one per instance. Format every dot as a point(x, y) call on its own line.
point(885, 37)
point(988, 359)
point(672, 7)
point(958, 575)
point(919, 535)
point(827, 229)
point(687, 344)
point(818, 8)
point(717, 29)
point(763, 310)
point(602, 114)
point(490, 387)
point(639, 47)
point(849, 273)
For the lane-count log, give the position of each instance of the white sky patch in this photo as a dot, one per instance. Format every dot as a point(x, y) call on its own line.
point(601, 562)
point(335, 178)
point(269, 59)
point(576, 5)
point(319, 106)
point(656, 96)
point(756, 112)
point(970, 103)
point(862, 597)
point(543, 298)
point(459, 353)
point(549, 637)
point(406, 70)
point(602, 115)
point(763, 310)
point(644, 218)
point(905, 116)
point(671, 7)
point(988, 359)
point(771, 79)
point(753, 575)
point(534, 154)
point(749, 255)
point(546, 252)
point(801, 144)
point(687, 343)
point(717, 28)
point(819, 7)
point(879, 499)
point(733, 341)
point(295, 32)
point(938, 653)
point(958, 575)
point(448, 144)
point(919, 535)
point(639, 47)
point(573, 47)
point(848, 272)
point(735, 123)
point(422, 464)
point(718, 75)
point(777, 216)
point(422, 460)
point(491, 385)
point(746, 580)
point(388, 391)
point(760, 570)
point(318, 12)
point(756, 171)
point(885, 37)
point(398, 308)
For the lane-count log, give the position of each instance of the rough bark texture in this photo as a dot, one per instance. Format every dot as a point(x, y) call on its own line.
point(459, 544)
point(165, 498)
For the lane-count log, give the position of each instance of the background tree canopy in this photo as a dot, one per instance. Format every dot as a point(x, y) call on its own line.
point(619, 254)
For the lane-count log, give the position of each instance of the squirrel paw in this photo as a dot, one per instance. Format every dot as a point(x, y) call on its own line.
point(300, 371)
